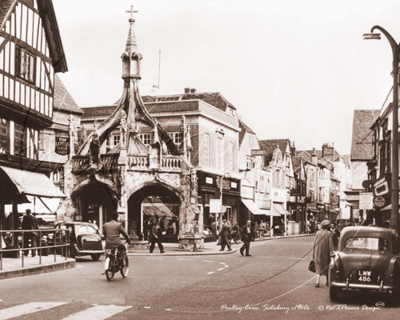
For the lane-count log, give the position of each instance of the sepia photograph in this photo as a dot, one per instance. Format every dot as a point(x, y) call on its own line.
point(215, 159)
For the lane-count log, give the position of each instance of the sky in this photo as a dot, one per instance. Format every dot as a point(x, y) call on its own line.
point(293, 69)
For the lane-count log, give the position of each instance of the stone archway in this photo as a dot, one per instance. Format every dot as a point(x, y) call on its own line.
point(94, 201)
point(154, 201)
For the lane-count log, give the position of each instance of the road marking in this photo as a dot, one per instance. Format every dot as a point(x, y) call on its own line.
point(208, 261)
point(210, 272)
point(147, 307)
point(154, 258)
point(168, 309)
point(221, 269)
point(27, 309)
point(226, 266)
point(185, 259)
point(222, 263)
point(97, 313)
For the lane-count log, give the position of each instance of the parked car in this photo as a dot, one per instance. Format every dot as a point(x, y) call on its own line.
point(85, 238)
point(367, 259)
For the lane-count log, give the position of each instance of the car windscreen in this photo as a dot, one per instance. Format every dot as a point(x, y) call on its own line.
point(85, 230)
point(368, 243)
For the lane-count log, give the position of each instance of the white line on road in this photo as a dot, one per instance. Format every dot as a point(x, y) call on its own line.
point(97, 313)
point(221, 269)
point(226, 266)
point(208, 261)
point(222, 263)
point(168, 309)
point(154, 258)
point(185, 259)
point(27, 309)
point(210, 272)
point(147, 307)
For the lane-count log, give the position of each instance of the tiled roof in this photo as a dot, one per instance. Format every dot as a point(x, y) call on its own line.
point(213, 98)
point(305, 155)
point(244, 128)
point(361, 145)
point(271, 144)
point(63, 100)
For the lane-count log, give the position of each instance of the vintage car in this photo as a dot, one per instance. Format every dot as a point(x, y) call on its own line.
point(367, 259)
point(85, 238)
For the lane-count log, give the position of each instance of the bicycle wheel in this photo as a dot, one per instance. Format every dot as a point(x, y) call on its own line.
point(109, 266)
point(125, 268)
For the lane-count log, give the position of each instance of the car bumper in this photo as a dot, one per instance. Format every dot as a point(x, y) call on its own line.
point(362, 286)
point(85, 252)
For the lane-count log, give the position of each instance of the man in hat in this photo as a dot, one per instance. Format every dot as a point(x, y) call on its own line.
point(323, 247)
point(246, 237)
point(29, 222)
point(225, 235)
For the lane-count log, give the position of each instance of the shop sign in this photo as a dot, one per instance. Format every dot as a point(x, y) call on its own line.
point(279, 195)
point(209, 180)
point(62, 145)
point(247, 192)
point(259, 152)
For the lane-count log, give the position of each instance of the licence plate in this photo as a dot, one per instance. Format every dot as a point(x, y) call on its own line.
point(364, 276)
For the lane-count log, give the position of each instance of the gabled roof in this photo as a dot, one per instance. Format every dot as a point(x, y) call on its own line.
point(271, 144)
point(305, 155)
point(244, 128)
point(63, 100)
point(213, 98)
point(49, 22)
point(361, 144)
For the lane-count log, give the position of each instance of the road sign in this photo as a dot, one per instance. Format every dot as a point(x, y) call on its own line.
point(223, 209)
point(366, 201)
point(215, 205)
point(379, 202)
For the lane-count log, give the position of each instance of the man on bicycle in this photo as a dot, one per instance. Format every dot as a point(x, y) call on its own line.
point(112, 230)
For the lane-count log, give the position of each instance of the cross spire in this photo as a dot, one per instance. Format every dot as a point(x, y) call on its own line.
point(132, 19)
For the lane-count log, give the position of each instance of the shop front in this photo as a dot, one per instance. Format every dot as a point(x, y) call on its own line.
point(209, 188)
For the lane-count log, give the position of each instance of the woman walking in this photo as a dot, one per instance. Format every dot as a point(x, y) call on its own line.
point(323, 246)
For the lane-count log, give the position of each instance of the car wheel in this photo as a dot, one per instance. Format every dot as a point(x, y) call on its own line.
point(334, 293)
point(95, 256)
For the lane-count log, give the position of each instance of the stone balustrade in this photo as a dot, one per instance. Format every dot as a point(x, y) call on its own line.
point(138, 162)
point(171, 163)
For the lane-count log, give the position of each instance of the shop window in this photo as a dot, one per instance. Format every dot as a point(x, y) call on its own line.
point(25, 65)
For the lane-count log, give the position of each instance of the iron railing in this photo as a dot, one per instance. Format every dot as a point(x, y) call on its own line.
point(61, 239)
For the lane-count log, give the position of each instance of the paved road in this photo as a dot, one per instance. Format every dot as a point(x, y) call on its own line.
point(274, 283)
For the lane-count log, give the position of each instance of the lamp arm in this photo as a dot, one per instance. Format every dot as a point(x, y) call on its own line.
point(393, 44)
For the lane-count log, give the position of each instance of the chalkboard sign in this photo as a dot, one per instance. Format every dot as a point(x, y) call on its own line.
point(62, 145)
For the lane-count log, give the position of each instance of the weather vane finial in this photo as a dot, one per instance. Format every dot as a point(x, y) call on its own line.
point(132, 19)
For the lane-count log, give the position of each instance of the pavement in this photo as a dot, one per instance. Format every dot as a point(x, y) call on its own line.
point(12, 267)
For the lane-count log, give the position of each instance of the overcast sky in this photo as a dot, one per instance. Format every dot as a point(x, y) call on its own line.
point(293, 69)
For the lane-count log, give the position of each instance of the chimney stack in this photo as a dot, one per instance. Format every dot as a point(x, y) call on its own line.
point(187, 90)
point(193, 90)
point(314, 158)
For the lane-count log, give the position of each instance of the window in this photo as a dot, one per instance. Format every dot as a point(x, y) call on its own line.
point(277, 179)
point(230, 156)
point(250, 163)
point(176, 137)
point(25, 65)
point(368, 243)
point(206, 150)
point(19, 140)
point(4, 132)
point(145, 138)
point(251, 139)
point(116, 139)
point(262, 184)
point(219, 153)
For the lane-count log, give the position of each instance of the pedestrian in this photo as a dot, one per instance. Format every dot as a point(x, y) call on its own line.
point(235, 233)
point(262, 229)
point(335, 235)
point(155, 237)
point(225, 235)
point(247, 234)
point(29, 222)
point(323, 247)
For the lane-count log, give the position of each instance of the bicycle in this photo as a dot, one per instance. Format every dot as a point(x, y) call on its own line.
point(112, 266)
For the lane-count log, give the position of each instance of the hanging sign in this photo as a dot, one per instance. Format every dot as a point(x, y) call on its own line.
point(62, 144)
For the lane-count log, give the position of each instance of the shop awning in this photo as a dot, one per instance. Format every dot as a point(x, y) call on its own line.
point(254, 209)
point(158, 210)
point(33, 183)
point(279, 209)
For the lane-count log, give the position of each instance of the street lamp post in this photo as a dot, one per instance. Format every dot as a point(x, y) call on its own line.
point(225, 176)
point(395, 146)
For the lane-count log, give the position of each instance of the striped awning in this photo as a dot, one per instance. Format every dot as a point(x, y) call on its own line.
point(32, 183)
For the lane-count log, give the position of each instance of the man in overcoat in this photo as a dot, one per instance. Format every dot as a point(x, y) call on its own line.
point(323, 247)
point(29, 222)
point(247, 234)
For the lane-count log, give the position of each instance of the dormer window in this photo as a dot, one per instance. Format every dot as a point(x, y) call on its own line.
point(25, 65)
